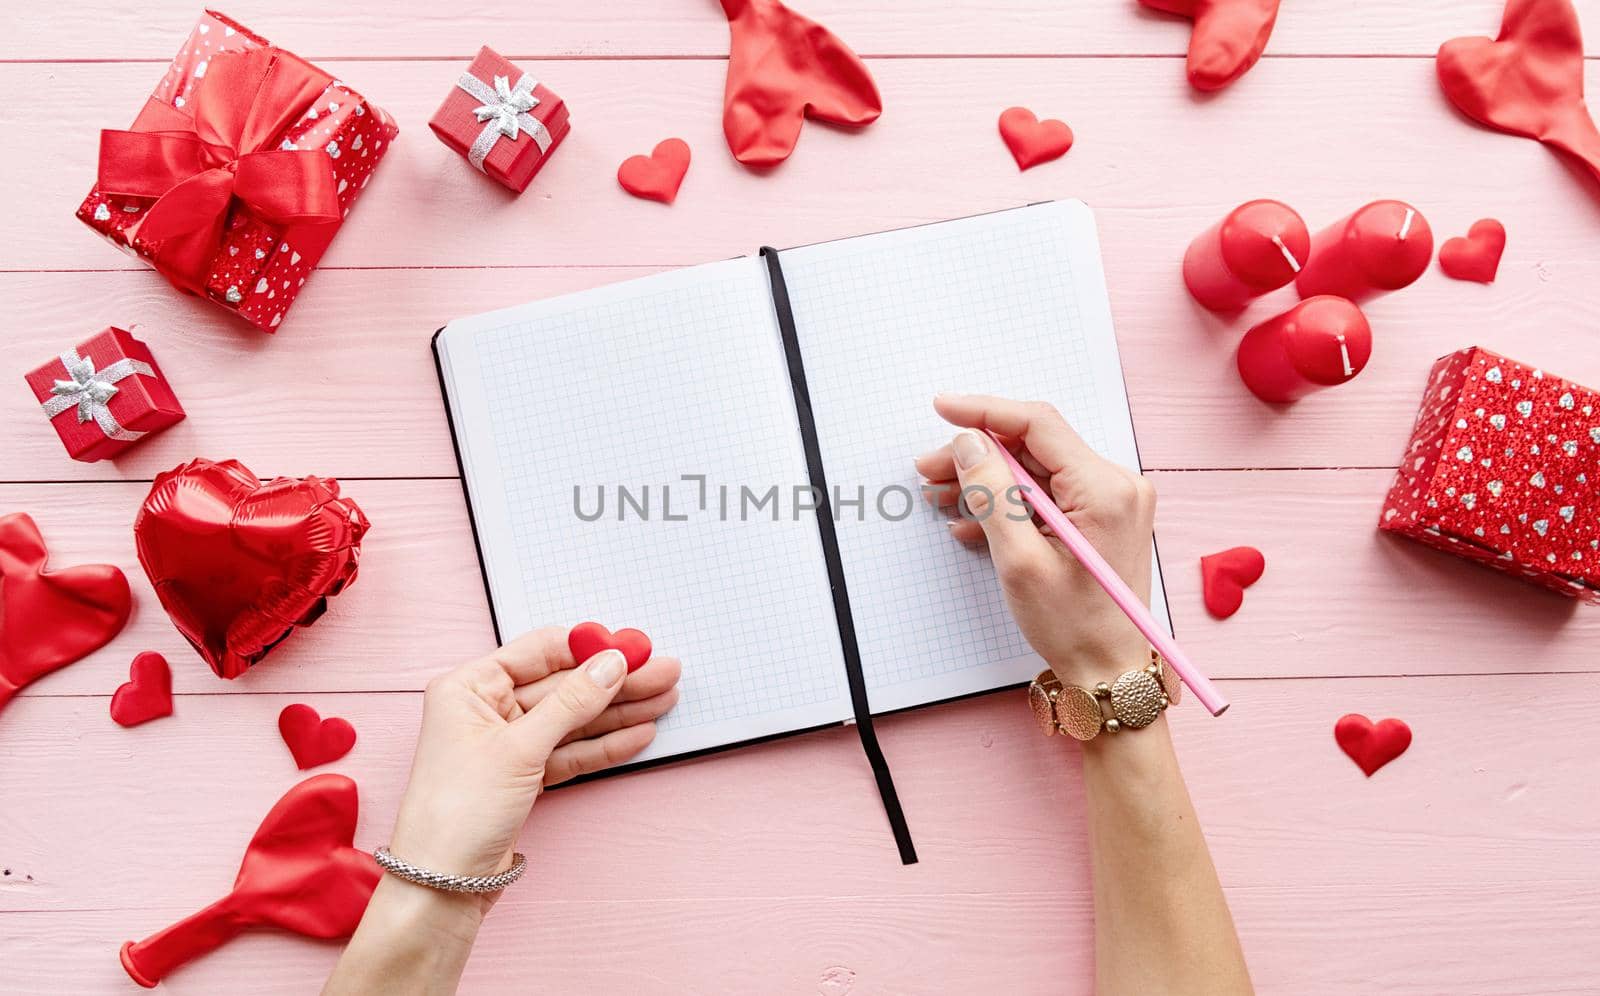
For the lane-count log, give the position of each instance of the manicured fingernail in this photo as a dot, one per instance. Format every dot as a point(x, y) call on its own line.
point(606, 668)
point(969, 449)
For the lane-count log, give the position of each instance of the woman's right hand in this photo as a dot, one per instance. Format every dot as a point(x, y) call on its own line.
point(1064, 614)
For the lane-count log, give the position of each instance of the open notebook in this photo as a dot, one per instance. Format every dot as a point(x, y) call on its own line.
point(672, 411)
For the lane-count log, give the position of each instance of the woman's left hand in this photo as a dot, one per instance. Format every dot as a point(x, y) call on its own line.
point(497, 730)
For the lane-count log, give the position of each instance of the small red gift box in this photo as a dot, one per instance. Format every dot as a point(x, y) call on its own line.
point(238, 172)
point(105, 395)
point(503, 121)
point(1502, 469)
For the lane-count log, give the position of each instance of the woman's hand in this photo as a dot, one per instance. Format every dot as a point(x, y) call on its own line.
point(1067, 618)
point(497, 730)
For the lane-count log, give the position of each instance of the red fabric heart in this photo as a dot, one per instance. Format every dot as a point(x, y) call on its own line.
point(1371, 746)
point(657, 176)
point(1226, 575)
point(314, 740)
point(1528, 81)
point(238, 563)
point(51, 618)
point(1477, 255)
point(782, 68)
point(147, 694)
point(589, 638)
point(299, 873)
point(1032, 141)
point(1228, 36)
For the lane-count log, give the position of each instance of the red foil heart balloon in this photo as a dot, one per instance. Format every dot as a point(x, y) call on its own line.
point(299, 873)
point(783, 68)
point(1032, 141)
point(1476, 256)
point(147, 694)
point(238, 563)
point(1226, 575)
point(587, 639)
point(314, 740)
point(1371, 745)
point(658, 176)
point(48, 619)
point(1528, 81)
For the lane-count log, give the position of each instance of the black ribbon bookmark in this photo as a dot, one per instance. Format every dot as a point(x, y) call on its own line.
point(830, 551)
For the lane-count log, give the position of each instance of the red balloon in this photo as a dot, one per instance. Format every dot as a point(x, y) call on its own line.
point(299, 872)
point(51, 618)
point(1228, 36)
point(237, 563)
point(782, 68)
point(1528, 81)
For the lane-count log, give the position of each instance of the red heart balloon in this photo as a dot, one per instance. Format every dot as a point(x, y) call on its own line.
point(657, 176)
point(314, 740)
point(238, 563)
point(587, 639)
point(1228, 36)
point(51, 618)
point(147, 694)
point(1371, 746)
point(1528, 81)
point(1032, 141)
point(1476, 256)
point(783, 68)
point(1226, 575)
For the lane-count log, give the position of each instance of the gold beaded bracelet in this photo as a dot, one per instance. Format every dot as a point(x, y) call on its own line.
point(1135, 699)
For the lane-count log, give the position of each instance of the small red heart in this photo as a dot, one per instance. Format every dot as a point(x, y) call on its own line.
point(1226, 575)
point(147, 694)
point(314, 740)
point(1032, 141)
point(1371, 746)
point(1477, 255)
point(588, 639)
point(657, 176)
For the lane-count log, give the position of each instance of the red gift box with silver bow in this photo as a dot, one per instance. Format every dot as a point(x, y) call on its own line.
point(105, 395)
point(1501, 469)
point(506, 123)
point(238, 172)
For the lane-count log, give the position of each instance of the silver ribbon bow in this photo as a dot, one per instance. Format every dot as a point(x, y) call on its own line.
point(90, 392)
point(505, 110)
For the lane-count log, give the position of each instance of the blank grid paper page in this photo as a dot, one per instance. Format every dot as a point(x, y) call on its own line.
point(1011, 304)
point(637, 385)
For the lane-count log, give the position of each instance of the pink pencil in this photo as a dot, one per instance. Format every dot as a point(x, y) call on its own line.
point(1107, 577)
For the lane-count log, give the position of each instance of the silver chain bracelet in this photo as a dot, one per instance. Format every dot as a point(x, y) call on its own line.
point(450, 883)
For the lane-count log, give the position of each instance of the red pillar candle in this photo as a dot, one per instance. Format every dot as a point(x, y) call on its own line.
point(1382, 247)
point(1257, 248)
point(1320, 342)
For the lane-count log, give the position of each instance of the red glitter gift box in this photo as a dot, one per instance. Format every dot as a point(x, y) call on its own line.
point(105, 395)
point(502, 120)
point(238, 171)
point(1501, 470)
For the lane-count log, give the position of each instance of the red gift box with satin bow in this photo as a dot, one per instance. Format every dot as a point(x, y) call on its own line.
point(1501, 469)
point(104, 395)
point(503, 121)
point(238, 172)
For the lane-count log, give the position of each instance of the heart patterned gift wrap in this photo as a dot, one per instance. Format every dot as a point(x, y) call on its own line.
point(238, 563)
point(238, 171)
point(1501, 469)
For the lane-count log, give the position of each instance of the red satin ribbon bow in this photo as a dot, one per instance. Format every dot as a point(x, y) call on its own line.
point(222, 146)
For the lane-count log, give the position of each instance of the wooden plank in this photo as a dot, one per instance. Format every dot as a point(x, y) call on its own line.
point(1337, 598)
point(1326, 135)
point(1475, 938)
point(639, 27)
point(1460, 838)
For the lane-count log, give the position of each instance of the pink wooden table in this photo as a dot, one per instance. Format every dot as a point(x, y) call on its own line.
point(1468, 866)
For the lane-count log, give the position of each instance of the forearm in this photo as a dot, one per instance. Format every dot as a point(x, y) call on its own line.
point(413, 941)
point(1161, 923)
